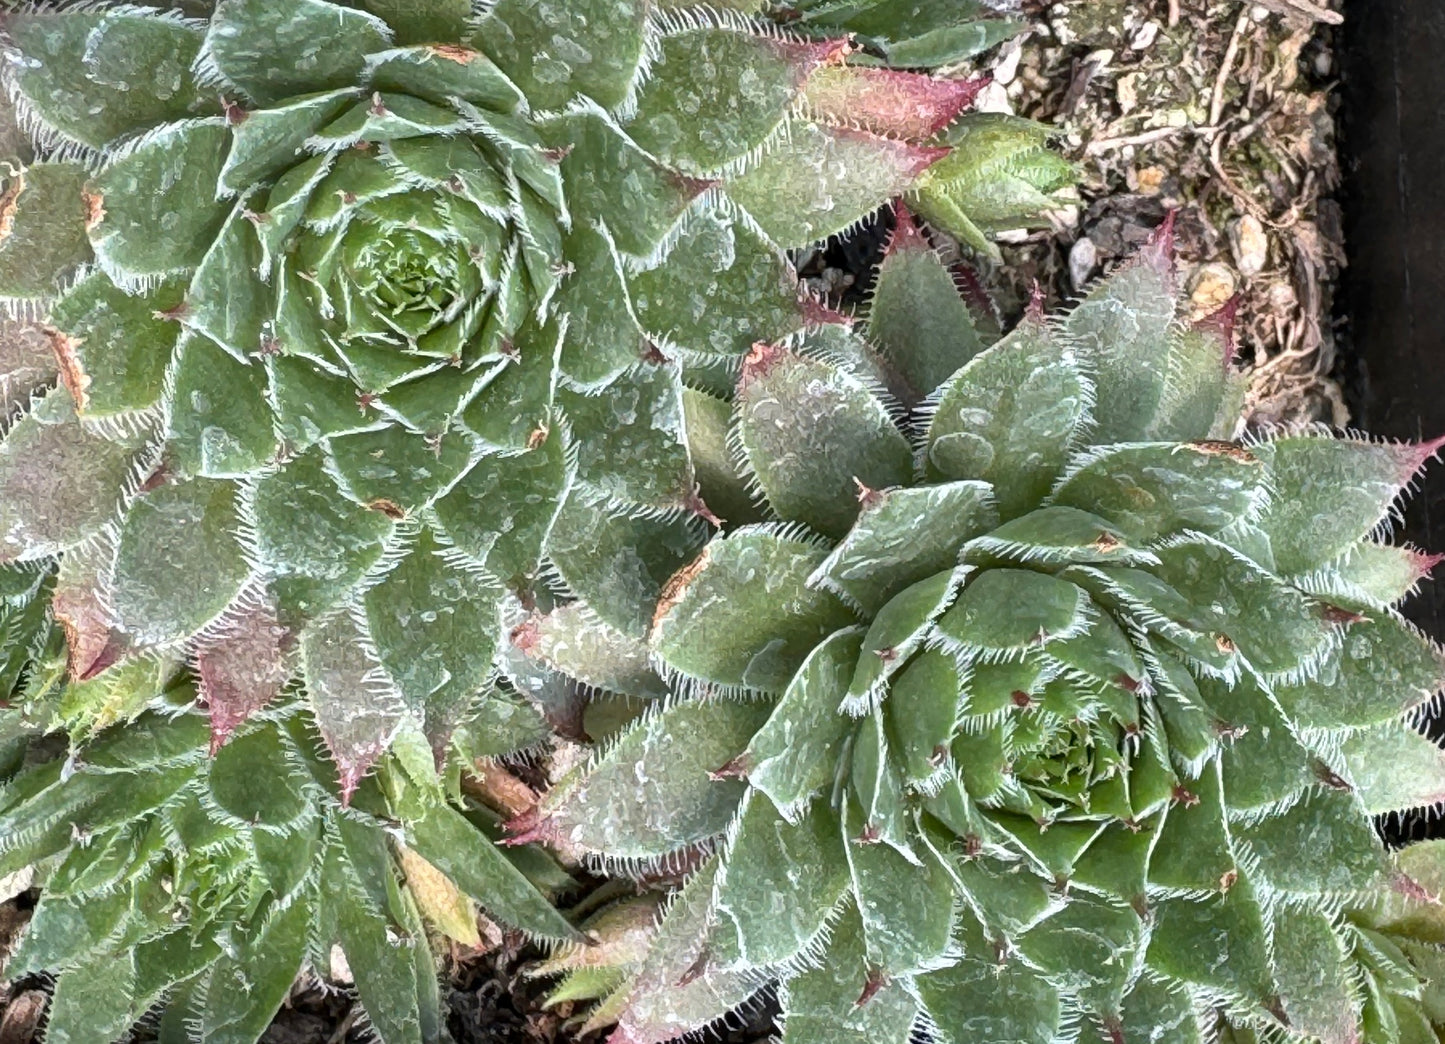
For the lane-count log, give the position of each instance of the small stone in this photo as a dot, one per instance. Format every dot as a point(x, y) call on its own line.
point(1211, 289)
point(1151, 181)
point(1083, 259)
point(1250, 243)
point(1145, 36)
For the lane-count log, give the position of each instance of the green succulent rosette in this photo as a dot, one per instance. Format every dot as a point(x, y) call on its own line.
point(1038, 707)
point(201, 887)
point(370, 322)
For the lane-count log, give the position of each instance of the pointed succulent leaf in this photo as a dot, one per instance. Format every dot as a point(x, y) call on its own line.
point(779, 884)
point(636, 449)
point(83, 71)
point(1194, 851)
point(88, 1003)
point(257, 780)
point(695, 113)
point(357, 707)
point(226, 428)
point(272, 53)
point(1010, 417)
point(242, 667)
point(47, 210)
point(981, 999)
point(721, 288)
point(742, 615)
point(848, 1000)
point(679, 800)
point(922, 712)
point(901, 938)
point(574, 642)
point(896, 633)
point(817, 181)
point(179, 562)
point(1159, 1011)
point(440, 73)
point(1005, 611)
point(813, 435)
point(1218, 943)
point(1056, 536)
point(1315, 985)
point(922, 35)
point(1394, 768)
point(270, 141)
point(1263, 762)
point(708, 419)
point(421, 22)
point(1382, 668)
point(901, 104)
point(1330, 493)
point(917, 316)
point(140, 233)
point(592, 47)
point(446, 839)
point(903, 536)
point(671, 995)
point(1371, 575)
point(436, 626)
point(1198, 401)
point(619, 564)
point(59, 484)
point(1155, 490)
point(1089, 950)
point(225, 300)
point(1273, 625)
point(1122, 332)
point(795, 754)
point(392, 469)
point(1287, 847)
point(115, 348)
point(27, 363)
point(603, 339)
point(316, 542)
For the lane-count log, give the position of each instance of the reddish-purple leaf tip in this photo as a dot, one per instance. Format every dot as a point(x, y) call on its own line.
point(1224, 323)
point(907, 233)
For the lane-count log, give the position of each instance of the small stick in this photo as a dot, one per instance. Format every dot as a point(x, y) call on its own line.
point(1150, 137)
point(1306, 8)
point(1174, 14)
point(1226, 68)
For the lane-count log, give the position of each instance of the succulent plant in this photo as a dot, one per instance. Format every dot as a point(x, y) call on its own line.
point(912, 35)
point(366, 316)
point(1038, 707)
point(206, 885)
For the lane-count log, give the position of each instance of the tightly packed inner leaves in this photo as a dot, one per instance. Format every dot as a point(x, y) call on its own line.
point(1038, 708)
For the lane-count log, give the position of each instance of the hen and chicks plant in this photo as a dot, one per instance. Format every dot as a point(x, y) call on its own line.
point(1039, 705)
point(343, 333)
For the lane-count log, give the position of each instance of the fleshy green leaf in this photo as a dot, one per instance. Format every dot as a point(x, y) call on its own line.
point(813, 434)
point(1323, 844)
point(96, 75)
point(1010, 418)
point(396, 470)
point(983, 1001)
point(591, 47)
point(723, 489)
point(843, 1001)
point(272, 52)
point(1394, 768)
point(242, 667)
point(258, 781)
point(1007, 610)
point(1316, 987)
point(1218, 943)
point(742, 615)
point(655, 791)
point(227, 301)
point(902, 936)
point(817, 181)
point(221, 420)
point(179, 561)
point(59, 484)
point(570, 639)
point(779, 884)
point(142, 232)
point(903, 536)
point(48, 210)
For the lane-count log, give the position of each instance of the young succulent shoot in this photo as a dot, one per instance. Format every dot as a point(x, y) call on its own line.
point(204, 886)
point(1041, 706)
point(910, 36)
point(367, 318)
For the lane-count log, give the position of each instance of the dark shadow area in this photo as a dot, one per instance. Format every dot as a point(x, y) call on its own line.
point(1393, 124)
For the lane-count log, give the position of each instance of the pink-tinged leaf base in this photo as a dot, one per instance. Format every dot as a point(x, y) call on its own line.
point(895, 104)
point(241, 668)
point(81, 607)
point(1223, 323)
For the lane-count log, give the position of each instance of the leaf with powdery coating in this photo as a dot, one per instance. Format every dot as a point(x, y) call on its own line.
point(1383, 668)
point(917, 316)
point(59, 485)
point(27, 363)
point(1394, 768)
point(980, 1000)
point(1011, 418)
point(818, 181)
point(1314, 975)
point(848, 1000)
point(242, 666)
point(1322, 845)
point(900, 104)
point(1199, 399)
point(179, 562)
point(795, 755)
point(615, 810)
point(721, 485)
point(552, 51)
point(1122, 334)
point(45, 210)
point(1329, 493)
point(780, 884)
point(1006, 611)
point(1154, 490)
point(572, 640)
point(814, 435)
point(678, 989)
point(743, 615)
point(357, 708)
point(696, 113)
point(1371, 575)
point(903, 536)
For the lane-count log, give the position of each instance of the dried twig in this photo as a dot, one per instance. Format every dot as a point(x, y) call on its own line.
point(1226, 68)
point(1174, 14)
point(1149, 137)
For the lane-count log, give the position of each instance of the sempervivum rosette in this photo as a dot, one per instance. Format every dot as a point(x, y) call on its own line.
point(1044, 711)
point(365, 311)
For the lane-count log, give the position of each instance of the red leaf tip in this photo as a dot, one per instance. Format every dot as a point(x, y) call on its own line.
point(1224, 322)
point(907, 233)
point(760, 361)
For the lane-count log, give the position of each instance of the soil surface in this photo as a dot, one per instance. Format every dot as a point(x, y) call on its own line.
point(1222, 110)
